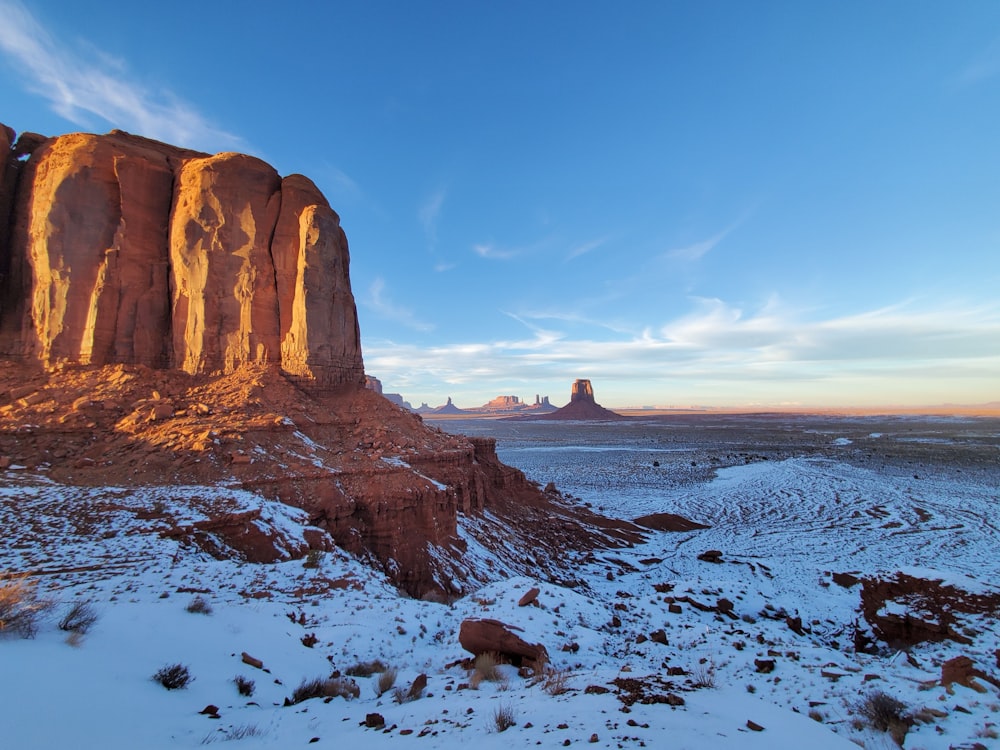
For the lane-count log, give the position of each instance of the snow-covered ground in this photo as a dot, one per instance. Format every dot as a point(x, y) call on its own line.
point(783, 527)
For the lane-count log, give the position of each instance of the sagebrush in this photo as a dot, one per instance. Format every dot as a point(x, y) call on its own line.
point(173, 676)
point(326, 687)
point(79, 619)
point(21, 609)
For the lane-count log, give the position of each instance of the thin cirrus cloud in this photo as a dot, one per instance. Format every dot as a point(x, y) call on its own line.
point(379, 302)
point(430, 212)
point(493, 252)
point(720, 343)
point(81, 86)
point(698, 250)
point(585, 248)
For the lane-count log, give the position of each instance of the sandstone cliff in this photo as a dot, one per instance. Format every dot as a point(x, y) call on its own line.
point(172, 317)
point(119, 249)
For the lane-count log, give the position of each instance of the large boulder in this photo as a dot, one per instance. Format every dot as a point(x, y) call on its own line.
point(486, 636)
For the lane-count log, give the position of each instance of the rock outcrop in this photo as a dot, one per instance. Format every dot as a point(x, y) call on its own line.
point(124, 250)
point(487, 636)
point(582, 405)
point(171, 317)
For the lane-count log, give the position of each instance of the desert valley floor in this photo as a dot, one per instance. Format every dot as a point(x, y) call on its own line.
point(763, 643)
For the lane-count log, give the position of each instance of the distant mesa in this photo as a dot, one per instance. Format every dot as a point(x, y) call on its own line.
point(499, 406)
point(374, 384)
point(582, 405)
point(514, 405)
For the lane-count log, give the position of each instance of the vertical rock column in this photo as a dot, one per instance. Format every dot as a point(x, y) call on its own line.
point(225, 306)
point(91, 223)
point(320, 338)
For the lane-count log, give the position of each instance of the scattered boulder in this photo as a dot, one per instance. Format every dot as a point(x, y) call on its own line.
point(485, 636)
point(417, 688)
point(253, 662)
point(374, 721)
point(846, 580)
point(529, 597)
point(712, 556)
point(764, 666)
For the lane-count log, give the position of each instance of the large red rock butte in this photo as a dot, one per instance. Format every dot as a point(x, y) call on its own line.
point(123, 250)
point(168, 316)
point(582, 406)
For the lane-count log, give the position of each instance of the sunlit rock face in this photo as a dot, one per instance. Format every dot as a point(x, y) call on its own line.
point(582, 391)
point(123, 250)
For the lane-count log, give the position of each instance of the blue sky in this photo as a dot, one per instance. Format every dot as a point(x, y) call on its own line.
point(716, 203)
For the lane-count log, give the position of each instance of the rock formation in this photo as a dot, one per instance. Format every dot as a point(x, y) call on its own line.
point(582, 405)
point(171, 317)
point(127, 250)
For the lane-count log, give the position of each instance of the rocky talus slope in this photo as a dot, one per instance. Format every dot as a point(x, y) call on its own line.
point(170, 317)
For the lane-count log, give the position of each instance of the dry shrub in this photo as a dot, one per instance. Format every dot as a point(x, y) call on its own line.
point(884, 713)
point(484, 669)
point(703, 675)
point(503, 718)
point(556, 681)
point(386, 680)
point(244, 685)
point(199, 605)
point(173, 676)
point(20, 608)
point(366, 668)
point(80, 618)
point(329, 687)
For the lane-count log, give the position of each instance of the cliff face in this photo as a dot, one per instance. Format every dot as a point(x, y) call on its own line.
point(125, 250)
point(161, 311)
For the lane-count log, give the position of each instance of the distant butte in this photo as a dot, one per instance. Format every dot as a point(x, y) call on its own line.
point(581, 406)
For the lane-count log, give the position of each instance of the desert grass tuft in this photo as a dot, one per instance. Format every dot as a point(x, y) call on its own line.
point(503, 718)
point(386, 681)
point(328, 687)
point(366, 668)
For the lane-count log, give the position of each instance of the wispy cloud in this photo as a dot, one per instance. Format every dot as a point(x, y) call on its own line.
point(697, 250)
point(585, 248)
point(724, 354)
point(430, 211)
point(494, 253)
point(82, 84)
point(378, 301)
